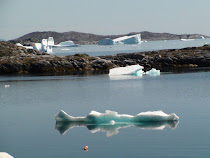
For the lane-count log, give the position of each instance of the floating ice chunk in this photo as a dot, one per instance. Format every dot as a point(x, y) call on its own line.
point(110, 121)
point(95, 117)
point(128, 70)
point(153, 72)
point(7, 86)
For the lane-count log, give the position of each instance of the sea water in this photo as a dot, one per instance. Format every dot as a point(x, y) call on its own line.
point(28, 107)
point(98, 50)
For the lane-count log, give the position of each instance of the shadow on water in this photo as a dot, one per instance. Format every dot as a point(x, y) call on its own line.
point(110, 130)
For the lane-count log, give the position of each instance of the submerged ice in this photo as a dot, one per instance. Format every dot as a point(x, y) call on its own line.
point(110, 121)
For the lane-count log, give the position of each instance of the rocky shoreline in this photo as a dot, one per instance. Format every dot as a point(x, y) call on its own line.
point(18, 60)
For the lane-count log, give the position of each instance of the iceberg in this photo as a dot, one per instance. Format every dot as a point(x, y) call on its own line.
point(112, 117)
point(106, 41)
point(45, 46)
point(134, 39)
point(110, 121)
point(153, 72)
point(66, 44)
point(128, 70)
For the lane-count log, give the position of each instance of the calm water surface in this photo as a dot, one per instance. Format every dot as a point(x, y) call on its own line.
point(97, 50)
point(28, 107)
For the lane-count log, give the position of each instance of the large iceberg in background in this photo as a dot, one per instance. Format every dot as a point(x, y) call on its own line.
point(134, 39)
point(110, 121)
point(128, 70)
point(45, 46)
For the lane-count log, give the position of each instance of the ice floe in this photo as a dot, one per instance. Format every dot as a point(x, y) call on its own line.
point(128, 70)
point(110, 121)
point(108, 117)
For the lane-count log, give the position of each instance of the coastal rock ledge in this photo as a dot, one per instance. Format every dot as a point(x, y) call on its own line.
point(15, 59)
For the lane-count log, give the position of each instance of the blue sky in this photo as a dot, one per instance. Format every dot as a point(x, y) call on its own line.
point(19, 17)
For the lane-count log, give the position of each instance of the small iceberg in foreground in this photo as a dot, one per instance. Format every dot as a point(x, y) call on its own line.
point(112, 117)
point(128, 70)
point(110, 121)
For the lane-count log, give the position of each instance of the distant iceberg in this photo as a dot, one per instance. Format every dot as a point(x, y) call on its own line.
point(66, 43)
point(128, 70)
point(45, 46)
point(134, 39)
point(187, 39)
point(112, 117)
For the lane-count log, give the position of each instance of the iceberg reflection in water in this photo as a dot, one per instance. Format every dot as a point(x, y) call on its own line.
point(111, 130)
point(110, 121)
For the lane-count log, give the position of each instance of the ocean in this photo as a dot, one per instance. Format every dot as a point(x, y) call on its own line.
point(30, 102)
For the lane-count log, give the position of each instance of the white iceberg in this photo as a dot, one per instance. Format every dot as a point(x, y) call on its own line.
point(128, 70)
point(45, 46)
point(109, 117)
point(66, 43)
point(134, 39)
point(110, 121)
point(153, 72)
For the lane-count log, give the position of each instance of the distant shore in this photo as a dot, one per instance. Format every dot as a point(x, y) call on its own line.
point(89, 39)
point(18, 60)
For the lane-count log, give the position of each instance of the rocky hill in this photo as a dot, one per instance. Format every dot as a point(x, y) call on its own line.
point(87, 38)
